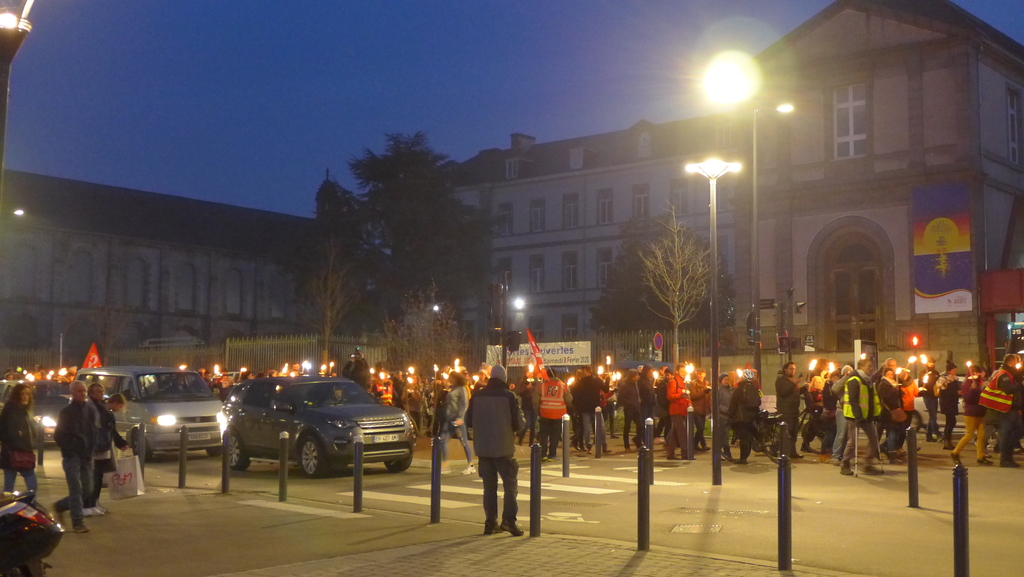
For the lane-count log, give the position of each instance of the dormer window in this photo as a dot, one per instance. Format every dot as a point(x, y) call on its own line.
point(511, 168)
point(643, 149)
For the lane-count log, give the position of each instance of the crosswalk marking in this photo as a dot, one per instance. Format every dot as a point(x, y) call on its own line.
point(305, 510)
point(629, 480)
point(568, 488)
point(475, 491)
point(445, 503)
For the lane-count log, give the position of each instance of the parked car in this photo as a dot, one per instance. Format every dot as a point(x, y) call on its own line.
point(321, 416)
point(164, 399)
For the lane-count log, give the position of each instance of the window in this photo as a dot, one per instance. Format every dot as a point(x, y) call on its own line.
point(605, 205)
point(536, 326)
point(278, 297)
point(643, 149)
point(537, 215)
point(641, 200)
point(505, 219)
point(604, 266)
point(571, 210)
point(723, 135)
point(536, 273)
point(136, 284)
point(503, 268)
point(1014, 118)
point(679, 196)
point(570, 326)
point(23, 273)
point(576, 156)
point(185, 287)
point(511, 168)
point(80, 287)
point(233, 292)
point(258, 394)
point(851, 121)
point(570, 268)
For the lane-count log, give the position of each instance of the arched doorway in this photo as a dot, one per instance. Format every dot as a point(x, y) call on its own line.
point(854, 295)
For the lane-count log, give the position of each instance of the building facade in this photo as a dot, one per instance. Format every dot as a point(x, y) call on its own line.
point(90, 263)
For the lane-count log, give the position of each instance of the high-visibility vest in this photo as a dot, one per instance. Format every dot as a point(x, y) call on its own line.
point(992, 397)
point(386, 392)
point(552, 400)
point(870, 404)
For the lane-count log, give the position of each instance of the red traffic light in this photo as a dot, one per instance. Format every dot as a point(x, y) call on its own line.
point(915, 341)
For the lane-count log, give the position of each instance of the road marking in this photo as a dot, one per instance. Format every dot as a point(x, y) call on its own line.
point(305, 510)
point(568, 488)
point(634, 469)
point(445, 503)
point(571, 466)
point(475, 491)
point(631, 481)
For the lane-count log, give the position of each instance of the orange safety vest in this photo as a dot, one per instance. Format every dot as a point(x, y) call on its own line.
point(386, 392)
point(552, 400)
point(992, 397)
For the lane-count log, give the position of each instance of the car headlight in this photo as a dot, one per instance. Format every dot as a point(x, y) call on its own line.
point(222, 420)
point(48, 422)
point(340, 423)
point(166, 420)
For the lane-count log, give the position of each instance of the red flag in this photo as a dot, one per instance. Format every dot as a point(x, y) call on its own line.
point(537, 359)
point(92, 360)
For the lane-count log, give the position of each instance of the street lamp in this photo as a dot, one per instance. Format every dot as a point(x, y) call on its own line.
point(712, 170)
point(14, 28)
point(734, 77)
point(519, 303)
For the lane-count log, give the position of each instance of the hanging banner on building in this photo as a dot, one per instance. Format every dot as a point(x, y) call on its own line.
point(943, 265)
point(567, 354)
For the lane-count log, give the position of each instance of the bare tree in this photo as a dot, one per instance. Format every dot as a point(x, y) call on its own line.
point(331, 293)
point(427, 334)
point(109, 326)
point(675, 267)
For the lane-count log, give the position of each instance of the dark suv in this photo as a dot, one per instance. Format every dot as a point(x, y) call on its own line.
point(321, 416)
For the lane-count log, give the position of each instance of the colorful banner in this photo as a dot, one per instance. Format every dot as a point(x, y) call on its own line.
point(566, 354)
point(943, 264)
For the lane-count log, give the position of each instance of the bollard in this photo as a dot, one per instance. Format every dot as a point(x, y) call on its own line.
point(565, 446)
point(912, 466)
point(643, 501)
point(282, 471)
point(141, 451)
point(225, 469)
point(598, 432)
point(357, 470)
point(649, 443)
point(785, 504)
point(41, 445)
point(182, 456)
point(691, 449)
point(535, 490)
point(435, 480)
point(961, 530)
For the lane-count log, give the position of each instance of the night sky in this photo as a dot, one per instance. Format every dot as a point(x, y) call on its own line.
point(248, 101)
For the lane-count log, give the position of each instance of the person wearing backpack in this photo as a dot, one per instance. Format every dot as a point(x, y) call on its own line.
point(744, 410)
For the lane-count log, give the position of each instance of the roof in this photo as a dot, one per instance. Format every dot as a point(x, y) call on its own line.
point(942, 12)
point(75, 205)
point(609, 149)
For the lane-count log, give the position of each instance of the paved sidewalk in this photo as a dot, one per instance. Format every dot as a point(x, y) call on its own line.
point(514, 557)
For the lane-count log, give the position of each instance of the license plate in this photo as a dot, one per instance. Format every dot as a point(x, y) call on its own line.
point(198, 436)
point(385, 438)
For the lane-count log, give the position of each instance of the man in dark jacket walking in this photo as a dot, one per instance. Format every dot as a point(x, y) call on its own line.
point(787, 403)
point(496, 418)
point(77, 425)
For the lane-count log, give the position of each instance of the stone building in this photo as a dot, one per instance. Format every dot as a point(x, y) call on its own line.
point(93, 263)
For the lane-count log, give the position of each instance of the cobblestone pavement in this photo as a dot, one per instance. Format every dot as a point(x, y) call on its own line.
point(515, 557)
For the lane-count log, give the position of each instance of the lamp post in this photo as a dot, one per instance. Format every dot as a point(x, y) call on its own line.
point(14, 28)
point(712, 170)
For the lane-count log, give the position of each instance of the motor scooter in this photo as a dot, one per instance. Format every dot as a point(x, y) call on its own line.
point(28, 534)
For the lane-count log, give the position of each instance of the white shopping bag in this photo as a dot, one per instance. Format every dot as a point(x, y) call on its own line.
point(125, 482)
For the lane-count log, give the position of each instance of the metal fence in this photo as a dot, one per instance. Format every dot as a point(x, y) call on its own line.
point(639, 346)
point(262, 353)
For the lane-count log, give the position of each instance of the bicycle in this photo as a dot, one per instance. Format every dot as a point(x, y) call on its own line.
point(766, 436)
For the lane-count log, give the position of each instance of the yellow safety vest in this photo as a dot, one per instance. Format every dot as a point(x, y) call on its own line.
point(870, 403)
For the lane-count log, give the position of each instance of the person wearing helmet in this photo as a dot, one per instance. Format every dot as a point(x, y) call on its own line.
point(744, 408)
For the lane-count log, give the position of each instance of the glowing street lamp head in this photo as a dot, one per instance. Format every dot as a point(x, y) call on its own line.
point(19, 212)
point(8, 20)
point(713, 169)
point(732, 77)
point(519, 303)
point(785, 108)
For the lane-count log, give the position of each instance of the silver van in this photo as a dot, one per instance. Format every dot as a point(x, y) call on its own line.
point(164, 399)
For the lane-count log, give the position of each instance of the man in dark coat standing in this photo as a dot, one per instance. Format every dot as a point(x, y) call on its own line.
point(787, 403)
point(77, 426)
point(495, 417)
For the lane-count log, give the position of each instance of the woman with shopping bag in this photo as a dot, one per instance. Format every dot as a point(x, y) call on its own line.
point(106, 438)
point(18, 439)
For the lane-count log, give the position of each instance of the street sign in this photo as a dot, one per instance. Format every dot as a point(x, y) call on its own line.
point(659, 341)
point(809, 341)
point(657, 355)
point(767, 304)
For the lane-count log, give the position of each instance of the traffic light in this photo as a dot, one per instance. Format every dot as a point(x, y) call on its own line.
point(752, 328)
point(784, 343)
point(799, 307)
point(915, 341)
point(497, 306)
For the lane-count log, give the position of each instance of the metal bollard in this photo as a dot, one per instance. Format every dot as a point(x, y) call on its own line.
point(961, 529)
point(141, 450)
point(912, 467)
point(565, 446)
point(535, 490)
point(435, 480)
point(182, 456)
point(691, 449)
point(282, 471)
point(357, 470)
point(649, 443)
point(785, 504)
point(225, 469)
point(643, 502)
point(41, 445)
point(598, 432)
